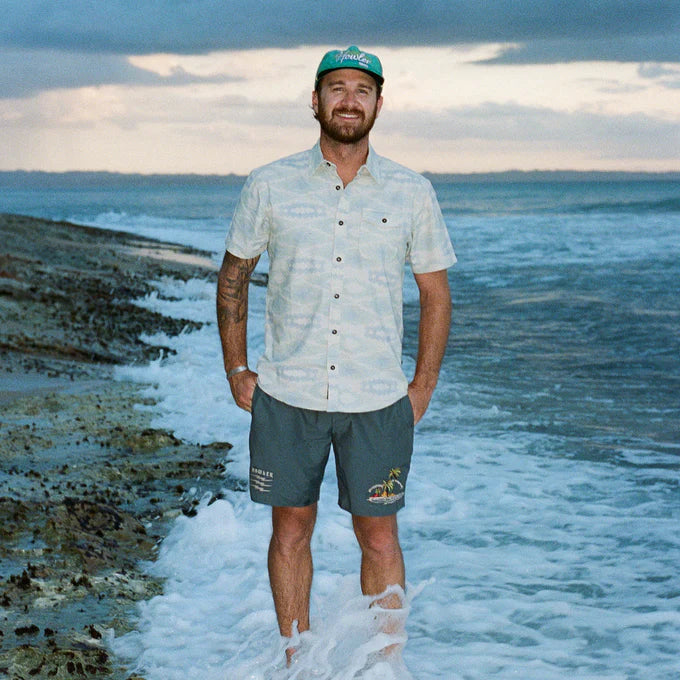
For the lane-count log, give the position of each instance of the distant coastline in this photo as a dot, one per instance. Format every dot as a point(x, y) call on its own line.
point(37, 179)
point(547, 176)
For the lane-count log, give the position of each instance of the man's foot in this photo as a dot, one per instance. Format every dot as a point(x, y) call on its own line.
point(290, 655)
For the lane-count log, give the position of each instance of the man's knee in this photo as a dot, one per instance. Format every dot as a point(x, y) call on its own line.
point(292, 528)
point(377, 535)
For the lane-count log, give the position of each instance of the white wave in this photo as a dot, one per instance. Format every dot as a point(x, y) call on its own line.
point(204, 234)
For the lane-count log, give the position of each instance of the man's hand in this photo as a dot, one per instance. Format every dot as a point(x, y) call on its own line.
point(242, 388)
point(420, 400)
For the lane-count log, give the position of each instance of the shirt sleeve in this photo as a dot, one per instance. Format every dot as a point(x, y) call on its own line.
point(248, 234)
point(431, 248)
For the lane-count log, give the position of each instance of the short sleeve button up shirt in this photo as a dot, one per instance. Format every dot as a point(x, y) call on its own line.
point(333, 320)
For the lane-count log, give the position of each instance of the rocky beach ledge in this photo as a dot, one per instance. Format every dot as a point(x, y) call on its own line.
point(88, 488)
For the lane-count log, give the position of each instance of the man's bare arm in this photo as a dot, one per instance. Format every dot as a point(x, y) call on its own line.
point(433, 334)
point(232, 321)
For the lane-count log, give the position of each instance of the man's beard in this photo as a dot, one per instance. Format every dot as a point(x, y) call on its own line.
point(346, 133)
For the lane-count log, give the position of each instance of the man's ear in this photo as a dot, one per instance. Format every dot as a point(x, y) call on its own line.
point(315, 101)
point(379, 104)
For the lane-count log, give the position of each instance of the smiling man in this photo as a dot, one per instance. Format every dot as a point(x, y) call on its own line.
point(342, 120)
point(339, 223)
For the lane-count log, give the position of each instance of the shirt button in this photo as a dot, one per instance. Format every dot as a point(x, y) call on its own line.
point(336, 296)
point(332, 368)
point(340, 222)
point(338, 259)
point(337, 187)
point(334, 331)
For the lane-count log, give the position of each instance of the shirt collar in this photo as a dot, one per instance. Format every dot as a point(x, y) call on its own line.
point(373, 164)
point(371, 167)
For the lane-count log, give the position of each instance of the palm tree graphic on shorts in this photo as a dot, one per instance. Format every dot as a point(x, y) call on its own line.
point(389, 491)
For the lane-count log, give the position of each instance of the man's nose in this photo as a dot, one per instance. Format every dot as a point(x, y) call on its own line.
point(349, 97)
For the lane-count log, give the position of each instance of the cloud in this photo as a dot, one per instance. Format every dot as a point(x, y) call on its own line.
point(665, 76)
point(608, 137)
point(74, 43)
point(26, 72)
point(612, 29)
point(109, 76)
point(657, 48)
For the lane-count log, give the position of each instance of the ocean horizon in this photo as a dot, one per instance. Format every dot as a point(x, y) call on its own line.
point(55, 179)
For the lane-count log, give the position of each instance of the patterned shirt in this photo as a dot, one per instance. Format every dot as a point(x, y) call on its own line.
point(333, 320)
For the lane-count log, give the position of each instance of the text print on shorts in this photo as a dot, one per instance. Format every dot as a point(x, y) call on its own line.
point(261, 480)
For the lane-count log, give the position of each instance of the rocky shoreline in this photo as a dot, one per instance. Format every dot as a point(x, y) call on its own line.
point(87, 487)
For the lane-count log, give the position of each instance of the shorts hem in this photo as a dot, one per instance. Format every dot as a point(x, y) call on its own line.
point(272, 502)
point(374, 511)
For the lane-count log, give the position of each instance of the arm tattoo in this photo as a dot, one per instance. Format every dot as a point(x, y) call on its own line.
point(232, 290)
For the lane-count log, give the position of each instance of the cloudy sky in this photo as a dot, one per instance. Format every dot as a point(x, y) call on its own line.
point(216, 86)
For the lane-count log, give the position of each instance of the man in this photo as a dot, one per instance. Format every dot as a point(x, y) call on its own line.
point(338, 222)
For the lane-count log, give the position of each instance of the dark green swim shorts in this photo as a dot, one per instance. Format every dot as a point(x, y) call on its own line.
point(289, 449)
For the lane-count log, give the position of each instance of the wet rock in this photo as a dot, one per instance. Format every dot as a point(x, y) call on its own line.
point(87, 487)
point(27, 661)
point(87, 279)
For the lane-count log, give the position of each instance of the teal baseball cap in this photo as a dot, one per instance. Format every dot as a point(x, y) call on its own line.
point(352, 57)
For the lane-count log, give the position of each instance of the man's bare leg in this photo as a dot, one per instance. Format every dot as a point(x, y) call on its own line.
point(382, 564)
point(290, 567)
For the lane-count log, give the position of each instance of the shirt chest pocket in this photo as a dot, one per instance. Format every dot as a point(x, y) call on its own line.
point(383, 236)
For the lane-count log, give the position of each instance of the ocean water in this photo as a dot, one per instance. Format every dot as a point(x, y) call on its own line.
point(541, 534)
